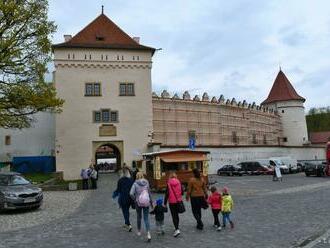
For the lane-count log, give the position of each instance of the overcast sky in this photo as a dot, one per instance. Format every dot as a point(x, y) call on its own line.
point(224, 47)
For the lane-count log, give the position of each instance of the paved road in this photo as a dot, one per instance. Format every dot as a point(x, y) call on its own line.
point(267, 214)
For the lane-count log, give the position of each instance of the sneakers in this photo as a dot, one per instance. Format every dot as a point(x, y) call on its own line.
point(129, 228)
point(219, 228)
point(176, 233)
point(148, 236)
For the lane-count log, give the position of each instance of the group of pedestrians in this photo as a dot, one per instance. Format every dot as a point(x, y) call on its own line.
point(89, 174)
point(136, 194)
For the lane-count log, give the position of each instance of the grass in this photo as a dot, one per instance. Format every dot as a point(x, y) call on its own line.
point(38, 177)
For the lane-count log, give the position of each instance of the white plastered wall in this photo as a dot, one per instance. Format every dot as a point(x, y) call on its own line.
point(75, 130)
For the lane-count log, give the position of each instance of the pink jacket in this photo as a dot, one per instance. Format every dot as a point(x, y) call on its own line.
point(174, 191)
point(215, 200)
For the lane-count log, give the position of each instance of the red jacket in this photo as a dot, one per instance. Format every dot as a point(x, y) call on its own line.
point(215, 200)
point(174, 191)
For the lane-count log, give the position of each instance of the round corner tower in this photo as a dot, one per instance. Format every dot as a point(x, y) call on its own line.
point(284, 99)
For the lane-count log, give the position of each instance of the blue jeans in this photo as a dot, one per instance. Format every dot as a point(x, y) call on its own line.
point(125, 210)
point(145, 211)
point(225, 217)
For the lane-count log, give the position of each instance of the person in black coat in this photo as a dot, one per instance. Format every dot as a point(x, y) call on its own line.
point(124, 185)
point(159, 211)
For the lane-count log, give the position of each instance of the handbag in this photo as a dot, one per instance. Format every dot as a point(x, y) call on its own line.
point(181, 207)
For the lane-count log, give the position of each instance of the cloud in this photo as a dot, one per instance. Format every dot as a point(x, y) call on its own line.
point(223, 47)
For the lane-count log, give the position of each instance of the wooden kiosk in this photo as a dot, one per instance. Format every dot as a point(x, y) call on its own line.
point(160, 164)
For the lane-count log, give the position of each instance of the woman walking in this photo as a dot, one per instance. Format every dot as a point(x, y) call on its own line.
point(124, 185)
point(197, 194)
point(140, 193)
point(173, 196)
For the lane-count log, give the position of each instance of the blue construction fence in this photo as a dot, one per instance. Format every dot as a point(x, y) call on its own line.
point(38, 164)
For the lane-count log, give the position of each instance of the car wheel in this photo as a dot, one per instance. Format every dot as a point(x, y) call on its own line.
point(307, 174)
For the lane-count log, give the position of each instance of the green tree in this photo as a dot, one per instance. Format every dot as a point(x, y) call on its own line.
point(25, 50)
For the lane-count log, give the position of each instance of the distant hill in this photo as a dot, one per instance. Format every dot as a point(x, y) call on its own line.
point(318, 122)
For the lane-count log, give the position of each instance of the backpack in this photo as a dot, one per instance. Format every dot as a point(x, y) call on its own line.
point(144, 199)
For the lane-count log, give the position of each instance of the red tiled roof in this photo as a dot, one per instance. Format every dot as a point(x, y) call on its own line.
point(319, 137)
point(282, 90)
point(103, 33)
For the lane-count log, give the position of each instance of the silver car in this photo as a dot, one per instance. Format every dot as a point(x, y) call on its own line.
point(18, 193)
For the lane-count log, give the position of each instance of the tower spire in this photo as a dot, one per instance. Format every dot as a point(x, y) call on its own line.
point(102, 9)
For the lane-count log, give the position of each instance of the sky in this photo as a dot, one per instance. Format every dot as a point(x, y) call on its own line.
point(234, 48)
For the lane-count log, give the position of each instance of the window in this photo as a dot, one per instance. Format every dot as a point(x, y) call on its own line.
point(97, 116)
point(285, 139)
point(282, 111)
point(254, 138)
point(192, 134)
point(126, 89)
point(234, 137)
point(90, 56)
point(68, 56)
point(114, 116)
point(7, 140)
point(105, 115)
point(265, 139)
point(93, 89)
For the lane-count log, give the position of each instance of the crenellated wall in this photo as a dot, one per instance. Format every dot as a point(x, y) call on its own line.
point(216, 122)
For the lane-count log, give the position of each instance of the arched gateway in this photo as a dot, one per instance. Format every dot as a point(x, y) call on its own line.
point(107, 158)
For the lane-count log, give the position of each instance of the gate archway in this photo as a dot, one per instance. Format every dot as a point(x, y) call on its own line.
point(107, 158)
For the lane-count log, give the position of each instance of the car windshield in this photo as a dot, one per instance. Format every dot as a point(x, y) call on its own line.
point(4, 180)
point(278, 162)
point(18, 180)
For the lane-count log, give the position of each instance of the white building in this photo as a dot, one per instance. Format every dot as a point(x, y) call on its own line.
point(104, 76)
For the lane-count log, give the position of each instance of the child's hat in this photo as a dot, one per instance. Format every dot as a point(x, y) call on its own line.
point(225, 190)
point(159, 201)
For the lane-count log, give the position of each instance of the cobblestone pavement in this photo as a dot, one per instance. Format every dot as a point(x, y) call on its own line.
point(292, 213)
point(55, 206)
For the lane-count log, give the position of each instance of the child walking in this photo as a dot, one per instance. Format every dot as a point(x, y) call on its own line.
point(227, 206)
point(159, 211)
point(215, 201)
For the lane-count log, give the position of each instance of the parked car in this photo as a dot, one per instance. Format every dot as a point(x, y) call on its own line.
point(315, 168)
point(255, 168)
point(283, 167)
point(230, 170)
point(301, 167)
point(289, 162)
point(16, 192)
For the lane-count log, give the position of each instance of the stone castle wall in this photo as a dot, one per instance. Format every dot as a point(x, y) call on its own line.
point(214, 122)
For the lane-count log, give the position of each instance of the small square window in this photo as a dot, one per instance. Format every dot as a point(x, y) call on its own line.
point(97, 89)
point(282, 111)
point(97, 116)
point(88, 89)
point(7, 140)
point(114, 116)
point(126, 89)
point(105, 115)
point(285, 139)
point(93, 89)
point(130, 89)
point(254, 138)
